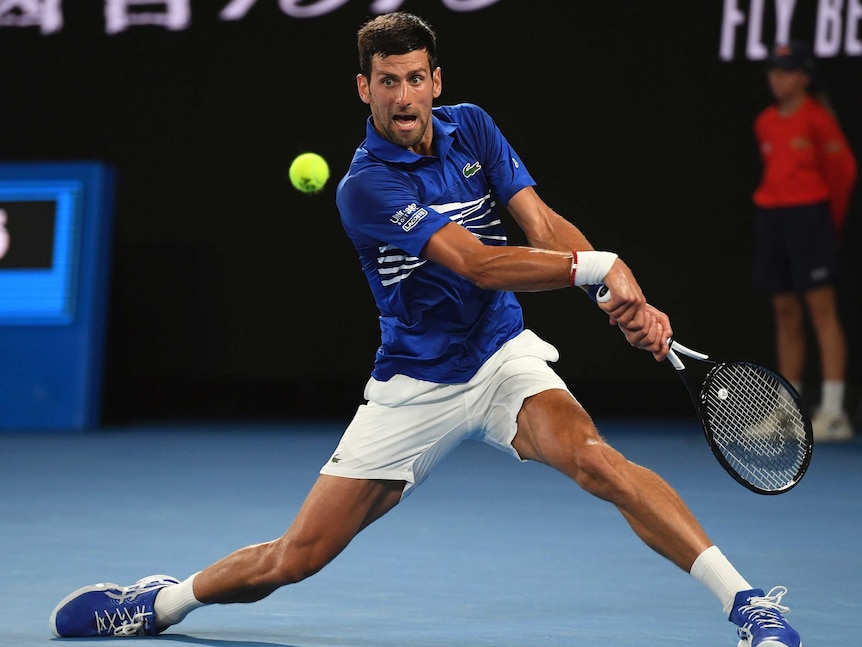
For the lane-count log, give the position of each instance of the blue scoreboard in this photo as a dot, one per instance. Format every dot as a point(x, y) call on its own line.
point(55, 237)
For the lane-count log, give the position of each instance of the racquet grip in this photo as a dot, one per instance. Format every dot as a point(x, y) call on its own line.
point(600, 293)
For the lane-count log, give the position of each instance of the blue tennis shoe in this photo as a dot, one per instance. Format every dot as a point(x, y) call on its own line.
point(110, 610)
point(760, 619)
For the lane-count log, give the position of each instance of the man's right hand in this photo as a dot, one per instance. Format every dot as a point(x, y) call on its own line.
point(643, 325)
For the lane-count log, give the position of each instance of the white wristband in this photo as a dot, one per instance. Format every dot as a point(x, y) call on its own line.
point(591, 268)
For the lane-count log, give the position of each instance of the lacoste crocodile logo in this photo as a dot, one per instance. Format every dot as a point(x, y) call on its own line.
point(471, 169)
point(334, 459)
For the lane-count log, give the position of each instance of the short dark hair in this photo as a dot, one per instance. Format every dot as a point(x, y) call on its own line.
point(395, 33)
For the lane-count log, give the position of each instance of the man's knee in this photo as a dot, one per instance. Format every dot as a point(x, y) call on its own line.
point(293, 559)
point(601, 470)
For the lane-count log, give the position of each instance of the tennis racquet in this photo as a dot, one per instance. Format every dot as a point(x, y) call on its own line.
point(753, 420)
point(752, 417)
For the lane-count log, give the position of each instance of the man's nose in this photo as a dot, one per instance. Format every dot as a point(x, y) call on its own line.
point(403, 97)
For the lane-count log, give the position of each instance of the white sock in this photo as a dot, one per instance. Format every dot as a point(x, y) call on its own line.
point(173, 603)
point(712, 569)
point(832, 398)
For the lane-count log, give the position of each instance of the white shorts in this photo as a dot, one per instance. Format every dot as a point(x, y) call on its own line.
point(409, 425)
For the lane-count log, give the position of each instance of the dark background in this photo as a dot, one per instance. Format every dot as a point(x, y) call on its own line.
point(233, 295)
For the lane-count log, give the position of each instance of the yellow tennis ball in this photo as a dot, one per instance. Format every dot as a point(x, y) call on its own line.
point(309, 172)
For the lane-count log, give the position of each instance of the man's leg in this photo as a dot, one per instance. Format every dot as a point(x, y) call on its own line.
point(554, 429)
point(334, 511)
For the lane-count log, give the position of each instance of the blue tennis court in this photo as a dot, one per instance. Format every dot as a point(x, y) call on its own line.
point(487, 552)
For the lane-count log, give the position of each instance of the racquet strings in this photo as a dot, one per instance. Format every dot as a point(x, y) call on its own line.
point(756, 424)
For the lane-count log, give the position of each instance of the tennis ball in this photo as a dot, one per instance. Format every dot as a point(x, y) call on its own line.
point(308, 172)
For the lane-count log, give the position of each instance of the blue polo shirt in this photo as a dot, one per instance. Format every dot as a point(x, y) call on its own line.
point(435, 325)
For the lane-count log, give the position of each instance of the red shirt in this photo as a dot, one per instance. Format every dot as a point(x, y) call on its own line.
point(806, 159)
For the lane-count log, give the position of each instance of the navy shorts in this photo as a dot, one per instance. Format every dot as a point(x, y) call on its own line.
point(794, 248)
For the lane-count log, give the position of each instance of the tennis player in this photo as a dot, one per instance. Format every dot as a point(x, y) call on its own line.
point(422, 202)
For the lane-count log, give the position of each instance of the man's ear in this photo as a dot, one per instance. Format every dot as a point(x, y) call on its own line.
point(362, 88)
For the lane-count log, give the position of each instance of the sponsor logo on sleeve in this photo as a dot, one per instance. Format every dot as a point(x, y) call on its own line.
point(408, 217)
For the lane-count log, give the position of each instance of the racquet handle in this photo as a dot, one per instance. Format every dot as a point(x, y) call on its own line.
point(603, 294)
point(674, 359)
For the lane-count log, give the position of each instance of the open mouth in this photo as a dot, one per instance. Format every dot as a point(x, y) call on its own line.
point(404, 120)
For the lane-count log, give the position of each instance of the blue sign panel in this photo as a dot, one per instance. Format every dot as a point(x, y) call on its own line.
point(55, 234)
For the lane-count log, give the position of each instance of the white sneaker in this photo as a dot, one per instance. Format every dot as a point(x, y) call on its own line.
point(831, 427)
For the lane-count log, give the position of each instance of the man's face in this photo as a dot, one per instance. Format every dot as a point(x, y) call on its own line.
point(401, 91)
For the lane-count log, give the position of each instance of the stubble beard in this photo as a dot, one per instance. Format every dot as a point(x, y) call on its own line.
point(406, 140)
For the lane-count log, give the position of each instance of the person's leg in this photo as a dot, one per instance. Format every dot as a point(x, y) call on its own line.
point(554, 429)
point(830, 422)
point(530, 413)
point(384, 453)
point(334, 511)
point(790, 342)
point(811, 244)
point(823, 311)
